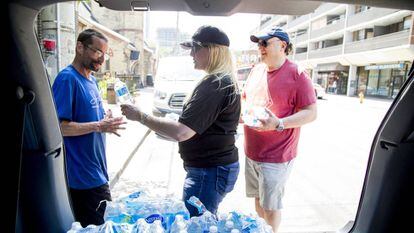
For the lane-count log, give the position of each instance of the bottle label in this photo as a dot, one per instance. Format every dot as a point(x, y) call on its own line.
point(194, 201)
point(153, 217)
point(122, 91)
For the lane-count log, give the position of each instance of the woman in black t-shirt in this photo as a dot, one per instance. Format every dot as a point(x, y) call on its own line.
point(207, 127)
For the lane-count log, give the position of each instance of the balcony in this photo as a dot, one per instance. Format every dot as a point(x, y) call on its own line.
point(275, 20)
point(298, 21)
point(326, 52)
point(369, 15)
point(379, 42)
point(323, 9)
point(330, 28)
point(301, 38)
point(300, 56)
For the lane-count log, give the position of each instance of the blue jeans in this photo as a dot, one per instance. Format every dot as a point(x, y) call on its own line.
point(210, 185)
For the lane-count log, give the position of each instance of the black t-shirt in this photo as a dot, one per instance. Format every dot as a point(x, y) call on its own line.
point(213, 112)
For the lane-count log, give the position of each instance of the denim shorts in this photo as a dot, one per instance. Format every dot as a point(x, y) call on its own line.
point(210, 185)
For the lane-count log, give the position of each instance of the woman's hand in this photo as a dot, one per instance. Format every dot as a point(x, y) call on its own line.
point(131, 112)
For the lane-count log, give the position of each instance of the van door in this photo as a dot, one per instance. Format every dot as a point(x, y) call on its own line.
point(387, 202)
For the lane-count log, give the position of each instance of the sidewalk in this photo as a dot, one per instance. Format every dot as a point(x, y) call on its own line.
point(120, 148)
point(323, 190)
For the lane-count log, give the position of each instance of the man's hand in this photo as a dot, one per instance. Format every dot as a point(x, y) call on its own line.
point(111, 125)
point(108, 114)
point(270, 122)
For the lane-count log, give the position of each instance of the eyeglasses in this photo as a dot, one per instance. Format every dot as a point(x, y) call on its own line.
point(98, 52)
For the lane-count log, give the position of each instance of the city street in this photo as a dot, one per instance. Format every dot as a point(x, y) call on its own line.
point(323, 191)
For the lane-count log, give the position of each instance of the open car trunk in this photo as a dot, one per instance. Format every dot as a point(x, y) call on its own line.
point(38, 193)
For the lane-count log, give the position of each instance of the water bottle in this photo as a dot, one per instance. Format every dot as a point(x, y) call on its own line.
point(228, 226)
point(91, 228)
point(156, 227)
point(195, 225)
point(121, 91)
point(234, 231)
point(170, 209)
point(207, 220)
point(252, 115)
point(76, 226)
point(268, 229)
point(213, 229)
point(237, 220)
point(249, 225)
point(117, 213)
point(111, 227)
point(222, 219)
point(262, 226)
point(178, 225)
point(194, 201)
point(141, 226)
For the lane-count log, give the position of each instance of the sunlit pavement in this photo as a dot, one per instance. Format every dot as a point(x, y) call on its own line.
point(325, 185)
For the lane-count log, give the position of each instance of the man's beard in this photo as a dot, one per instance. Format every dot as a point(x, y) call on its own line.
point(91, 66)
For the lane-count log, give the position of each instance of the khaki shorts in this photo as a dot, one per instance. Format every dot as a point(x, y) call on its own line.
point(266, 181)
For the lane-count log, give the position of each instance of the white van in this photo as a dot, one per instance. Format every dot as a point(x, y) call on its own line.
point(174, 81)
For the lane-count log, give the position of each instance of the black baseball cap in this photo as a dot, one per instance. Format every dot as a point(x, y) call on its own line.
point(207, 35)
point(274, 32)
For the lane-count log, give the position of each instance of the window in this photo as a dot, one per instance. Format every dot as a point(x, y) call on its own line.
point(384, 83)
point(332, 19)
point(360, 8)
point(301, 32)
point(369, 33)
point(362, 80)
point(362, 34)
point(372, 87)
point(407, 22)
point(107, 65)
point(319, 23)
point(358, 35)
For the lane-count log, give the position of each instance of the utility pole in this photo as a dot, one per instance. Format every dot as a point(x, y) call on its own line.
point(177, 37)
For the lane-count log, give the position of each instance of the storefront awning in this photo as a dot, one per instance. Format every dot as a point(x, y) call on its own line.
point(331, 67)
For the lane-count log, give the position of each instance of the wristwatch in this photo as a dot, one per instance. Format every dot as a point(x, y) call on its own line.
point(281, 126)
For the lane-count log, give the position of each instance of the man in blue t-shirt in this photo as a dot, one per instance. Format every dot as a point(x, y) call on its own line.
point(83, 124)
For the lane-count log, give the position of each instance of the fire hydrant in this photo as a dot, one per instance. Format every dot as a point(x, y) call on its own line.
point(361, 97)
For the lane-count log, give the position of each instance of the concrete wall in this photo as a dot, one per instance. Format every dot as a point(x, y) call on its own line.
point(130, 25)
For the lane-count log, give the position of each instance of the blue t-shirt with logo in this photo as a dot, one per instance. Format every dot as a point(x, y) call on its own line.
point(77, 99)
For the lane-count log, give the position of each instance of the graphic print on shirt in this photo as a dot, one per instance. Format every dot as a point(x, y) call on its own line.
point(95, 101)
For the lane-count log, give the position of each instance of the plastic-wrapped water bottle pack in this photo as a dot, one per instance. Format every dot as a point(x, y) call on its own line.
point(140, 213)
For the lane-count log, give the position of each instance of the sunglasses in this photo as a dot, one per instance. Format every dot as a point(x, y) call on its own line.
point(264, 43)
point(196, 46)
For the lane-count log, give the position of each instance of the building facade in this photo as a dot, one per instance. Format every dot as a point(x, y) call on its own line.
point(130, 24)
point(168, 40)
point(351, 48)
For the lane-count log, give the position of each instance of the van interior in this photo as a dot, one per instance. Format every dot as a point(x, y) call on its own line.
point(36, 182)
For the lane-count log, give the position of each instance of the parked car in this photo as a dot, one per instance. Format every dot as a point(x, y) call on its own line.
point(242, 75)
point(35, 191)
point(174, 81)
point(319, 91)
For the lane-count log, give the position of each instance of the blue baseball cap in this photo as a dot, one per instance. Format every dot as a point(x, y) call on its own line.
point(274, 32)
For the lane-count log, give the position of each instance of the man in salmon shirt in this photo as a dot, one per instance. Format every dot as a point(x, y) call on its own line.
point(271, 146)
